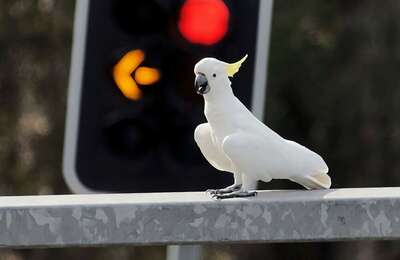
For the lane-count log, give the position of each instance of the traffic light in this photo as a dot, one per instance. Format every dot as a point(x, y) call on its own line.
point(132, 107)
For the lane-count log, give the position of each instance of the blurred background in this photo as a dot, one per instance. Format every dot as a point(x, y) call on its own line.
point(333, 85)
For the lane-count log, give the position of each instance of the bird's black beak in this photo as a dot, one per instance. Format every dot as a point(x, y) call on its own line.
point(201, 84)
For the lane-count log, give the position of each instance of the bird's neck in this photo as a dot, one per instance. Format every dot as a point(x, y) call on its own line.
point(219, 96)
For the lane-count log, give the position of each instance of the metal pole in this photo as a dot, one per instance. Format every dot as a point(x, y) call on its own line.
point(189, 252)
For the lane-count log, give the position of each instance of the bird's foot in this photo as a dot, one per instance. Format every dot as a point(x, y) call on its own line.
point(235, 194)
point(226, 190)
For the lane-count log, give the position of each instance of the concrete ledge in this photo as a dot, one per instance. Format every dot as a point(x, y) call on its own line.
point(179, 218)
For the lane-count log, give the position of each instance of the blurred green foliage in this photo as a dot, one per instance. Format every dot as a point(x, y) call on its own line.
point(333, 85)
point(35, 41)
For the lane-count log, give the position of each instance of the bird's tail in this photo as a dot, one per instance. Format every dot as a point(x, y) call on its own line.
point(312, 182)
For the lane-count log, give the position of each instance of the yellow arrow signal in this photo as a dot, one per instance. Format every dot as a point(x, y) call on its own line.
point(123, 70)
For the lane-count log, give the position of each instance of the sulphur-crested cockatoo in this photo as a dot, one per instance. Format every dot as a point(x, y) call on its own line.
point(235, 141)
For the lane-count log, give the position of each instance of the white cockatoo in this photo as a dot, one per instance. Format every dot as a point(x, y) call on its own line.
point(234, 140)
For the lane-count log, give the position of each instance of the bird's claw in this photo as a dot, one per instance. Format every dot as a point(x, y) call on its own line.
point(236, 194)
point(215, 196)
point(211, 191)
point(226, 190)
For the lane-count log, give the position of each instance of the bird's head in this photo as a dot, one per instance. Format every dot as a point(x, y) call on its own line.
point(212, 75)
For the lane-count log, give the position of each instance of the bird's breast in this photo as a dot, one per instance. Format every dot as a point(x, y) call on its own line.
point(225, 119)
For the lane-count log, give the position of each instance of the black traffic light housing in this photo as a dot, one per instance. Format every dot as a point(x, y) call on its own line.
point(115, 143)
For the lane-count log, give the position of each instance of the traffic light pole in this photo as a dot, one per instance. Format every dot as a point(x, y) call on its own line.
point(193, 252)
point(188, 252)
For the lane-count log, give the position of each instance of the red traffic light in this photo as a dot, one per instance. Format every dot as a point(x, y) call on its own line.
point(204, 21)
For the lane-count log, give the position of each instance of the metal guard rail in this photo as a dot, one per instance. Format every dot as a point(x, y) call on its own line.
point(194, 218)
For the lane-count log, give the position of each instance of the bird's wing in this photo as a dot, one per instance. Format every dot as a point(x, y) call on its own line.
point(203, 138)
point(247, 153)
point(307, 161)
point(252, 154)
point(313, 171)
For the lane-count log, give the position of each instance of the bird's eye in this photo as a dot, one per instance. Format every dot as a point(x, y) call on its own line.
point(214, 75)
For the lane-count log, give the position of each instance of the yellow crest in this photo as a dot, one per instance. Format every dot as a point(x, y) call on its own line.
point(232, 68)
